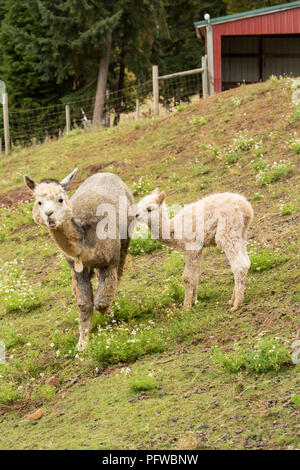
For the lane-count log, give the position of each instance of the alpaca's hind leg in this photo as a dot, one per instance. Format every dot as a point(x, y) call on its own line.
point(107, 288)
point(240, 275)
point(123, 253)
point(231, 301)
point(84, 295)
point(191, 277)
point(240, 264)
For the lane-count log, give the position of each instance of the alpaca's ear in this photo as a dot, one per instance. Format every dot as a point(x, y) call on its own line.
point(30, 183)
point(155, 191)
point(64, 183)
point(161, 197)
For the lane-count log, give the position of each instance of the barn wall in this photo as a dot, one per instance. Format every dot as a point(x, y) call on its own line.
point(282, 22)
point(254, 58)
point(236, 68)
point(288, 51)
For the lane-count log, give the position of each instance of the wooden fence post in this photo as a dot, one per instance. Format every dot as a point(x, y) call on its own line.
point(137, 110)
point(204, 77)
point(155, 90)
point(107, 110)
point(210, 59)
point(6, 123)
point(68, 119)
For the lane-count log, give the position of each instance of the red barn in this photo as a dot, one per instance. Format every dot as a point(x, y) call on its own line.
point(250, 46)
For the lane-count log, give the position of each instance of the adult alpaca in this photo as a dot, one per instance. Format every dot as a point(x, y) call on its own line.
point(220, 219)
point(73, 226)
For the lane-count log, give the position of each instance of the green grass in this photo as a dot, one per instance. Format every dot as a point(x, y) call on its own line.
point(266, 355)
point(139, 384)
point(273, 173)
point(140, 246)
point(196, 402)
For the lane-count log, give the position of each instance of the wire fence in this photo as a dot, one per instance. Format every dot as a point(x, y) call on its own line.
point(28, 126)
point(176, 90)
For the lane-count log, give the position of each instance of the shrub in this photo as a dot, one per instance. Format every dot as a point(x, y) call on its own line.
point(139, 384)
point(8, 394)
point(294, 144)
point(123, 344)
point(244, 143)
point(267, 355)
point(257, 197)
point(288, 208)
point(296, 400)
point(141, 187)
point(140, 246)
point(43, 393)
point(262, 260)
point(231, 157)
point(296, 114)
point(259, 165)
point(198, 120)
point(273, 173)
point(15, 291)
point(201, 170)
point(181, 107)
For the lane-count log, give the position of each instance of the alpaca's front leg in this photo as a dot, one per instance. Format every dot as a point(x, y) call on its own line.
point(107, 288)
point(84, 295)
point(191, 277)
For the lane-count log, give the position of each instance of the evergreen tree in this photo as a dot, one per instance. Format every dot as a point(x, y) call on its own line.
point(24, 84)
point(142, 22)
point(237, 6)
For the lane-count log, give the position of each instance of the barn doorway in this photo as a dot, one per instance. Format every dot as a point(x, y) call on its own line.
point(254, 58)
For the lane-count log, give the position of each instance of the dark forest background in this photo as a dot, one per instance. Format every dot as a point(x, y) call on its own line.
point(56, 52)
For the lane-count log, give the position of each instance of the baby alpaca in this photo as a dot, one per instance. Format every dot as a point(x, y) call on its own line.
point(219, 219)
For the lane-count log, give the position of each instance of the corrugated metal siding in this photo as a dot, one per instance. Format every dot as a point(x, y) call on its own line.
point(254, 58)
point(237, 69)
point(288, 63)
point(285, 22)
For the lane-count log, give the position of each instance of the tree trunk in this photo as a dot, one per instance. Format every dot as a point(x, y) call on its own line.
point(101, 83)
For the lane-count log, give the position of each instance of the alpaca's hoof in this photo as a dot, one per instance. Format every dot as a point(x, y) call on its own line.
point(233, 309)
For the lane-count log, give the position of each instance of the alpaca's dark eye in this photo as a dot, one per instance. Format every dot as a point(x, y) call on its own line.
point(60, 200)
point(39, 203)
point(149, 209)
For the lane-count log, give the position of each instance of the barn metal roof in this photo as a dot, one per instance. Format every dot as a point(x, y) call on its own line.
point(248, 14)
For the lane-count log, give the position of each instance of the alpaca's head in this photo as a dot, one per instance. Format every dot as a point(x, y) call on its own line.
point(150, 206)
point(52, 206)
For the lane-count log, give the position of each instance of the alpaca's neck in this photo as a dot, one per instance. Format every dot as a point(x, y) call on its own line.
point(161, 226)
point(68, 238)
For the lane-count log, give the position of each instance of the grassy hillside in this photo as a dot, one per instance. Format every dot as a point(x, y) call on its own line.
point(155, 376)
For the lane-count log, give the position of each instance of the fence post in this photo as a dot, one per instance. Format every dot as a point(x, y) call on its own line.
point(137, 110)
point(155, 90)
point(6, 123)
point(204, 77)
point(68, 119)
point(107, 110)
point(210, 59)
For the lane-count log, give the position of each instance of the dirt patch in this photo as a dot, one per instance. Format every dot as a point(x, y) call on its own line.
point(14, 197)
point(92, 169)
